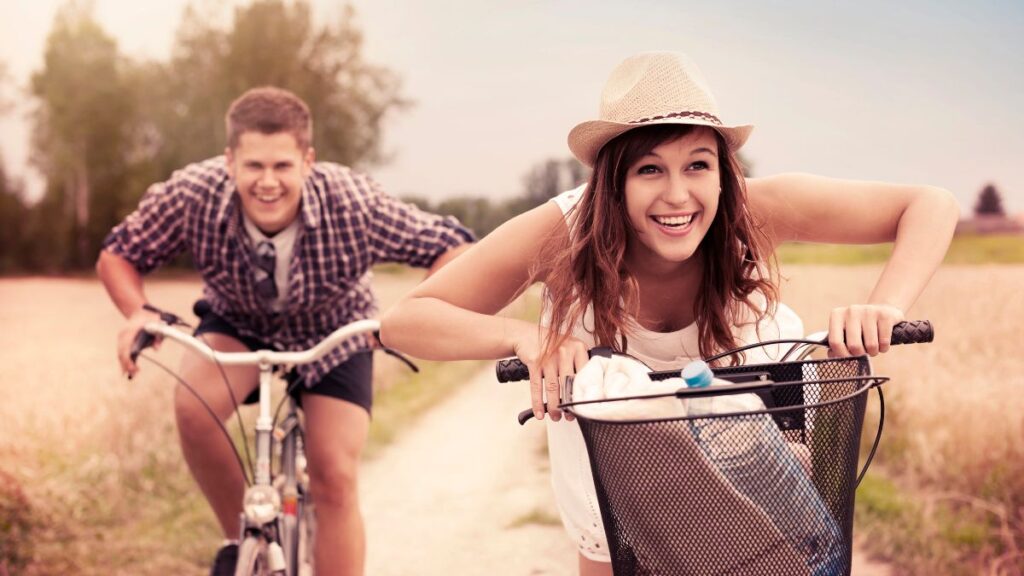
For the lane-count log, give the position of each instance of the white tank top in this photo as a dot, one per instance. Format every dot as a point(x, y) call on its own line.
point(571, 478)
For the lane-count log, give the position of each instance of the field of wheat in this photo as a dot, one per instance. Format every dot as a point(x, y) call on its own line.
point(948, 493)
point(92, 481)
point(89, 461)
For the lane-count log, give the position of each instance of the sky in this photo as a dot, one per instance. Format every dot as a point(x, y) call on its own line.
point(925, 92)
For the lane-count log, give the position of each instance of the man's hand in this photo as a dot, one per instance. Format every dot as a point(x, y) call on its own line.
point(126, 336)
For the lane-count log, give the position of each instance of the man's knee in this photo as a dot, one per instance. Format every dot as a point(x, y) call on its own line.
point(192, 417)
point(334, 483)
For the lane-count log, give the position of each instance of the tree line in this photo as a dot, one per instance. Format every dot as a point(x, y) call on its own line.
point(106, 125)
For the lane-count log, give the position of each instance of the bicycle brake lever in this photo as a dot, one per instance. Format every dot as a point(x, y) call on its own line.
point(412, 366)
point(565, 389)
point(525, 415)
point(142, 341)
point(168, 318)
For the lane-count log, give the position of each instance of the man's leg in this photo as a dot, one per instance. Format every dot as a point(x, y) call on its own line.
point(336, 432)
point(207, 451)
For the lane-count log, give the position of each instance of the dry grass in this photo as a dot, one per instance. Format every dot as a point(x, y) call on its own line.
point(98, 461)
point(954, 422)
point(96, 455)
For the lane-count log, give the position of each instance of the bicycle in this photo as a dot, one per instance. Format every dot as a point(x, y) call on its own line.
point(278, 524)
point(690, 494)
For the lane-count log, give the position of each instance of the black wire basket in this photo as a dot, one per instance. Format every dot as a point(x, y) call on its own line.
point(764, 492)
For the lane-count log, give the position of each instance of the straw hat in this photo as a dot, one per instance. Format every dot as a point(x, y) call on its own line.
point(647, 89)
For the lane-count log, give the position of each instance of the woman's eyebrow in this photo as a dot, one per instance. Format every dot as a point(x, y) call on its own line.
point(704, 149)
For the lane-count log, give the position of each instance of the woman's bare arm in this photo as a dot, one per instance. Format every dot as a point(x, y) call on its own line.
point(452, 314)
point(919, 220)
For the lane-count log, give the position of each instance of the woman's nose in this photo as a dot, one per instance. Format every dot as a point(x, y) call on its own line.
point(677, 190)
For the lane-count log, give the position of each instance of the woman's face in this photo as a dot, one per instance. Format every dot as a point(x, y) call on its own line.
point(671, 199)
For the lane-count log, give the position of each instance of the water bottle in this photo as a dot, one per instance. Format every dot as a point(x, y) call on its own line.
point(752, 454)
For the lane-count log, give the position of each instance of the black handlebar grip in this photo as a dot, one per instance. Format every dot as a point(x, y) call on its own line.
point(913, 332)
point(511, 370)
point(142, 341)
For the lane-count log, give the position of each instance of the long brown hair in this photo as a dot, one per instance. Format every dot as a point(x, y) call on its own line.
point(591, 269)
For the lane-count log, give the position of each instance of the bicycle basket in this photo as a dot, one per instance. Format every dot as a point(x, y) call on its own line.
point(761, 492)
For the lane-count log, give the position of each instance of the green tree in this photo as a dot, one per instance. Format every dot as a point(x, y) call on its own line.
point(546, 180)
point(542, 182)
point(269, 42)
point(13, 216)
point(82, 134)
point(990, 202)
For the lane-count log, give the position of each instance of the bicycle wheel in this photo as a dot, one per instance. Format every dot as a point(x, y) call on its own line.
point(252, 557)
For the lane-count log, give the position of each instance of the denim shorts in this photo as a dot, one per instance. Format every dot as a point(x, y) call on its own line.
point(351, 381)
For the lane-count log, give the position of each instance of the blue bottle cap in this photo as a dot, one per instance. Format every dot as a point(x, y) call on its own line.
point(697, 374)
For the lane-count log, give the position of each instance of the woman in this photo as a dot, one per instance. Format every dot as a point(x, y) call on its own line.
point(666, 253)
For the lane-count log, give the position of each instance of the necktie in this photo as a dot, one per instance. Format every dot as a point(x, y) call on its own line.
point(266, 264)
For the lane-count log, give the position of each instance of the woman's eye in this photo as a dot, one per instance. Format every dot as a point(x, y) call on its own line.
point(699, 165)
point(647, 169)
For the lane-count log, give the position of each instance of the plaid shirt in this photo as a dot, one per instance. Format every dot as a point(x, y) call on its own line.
point(348, 224)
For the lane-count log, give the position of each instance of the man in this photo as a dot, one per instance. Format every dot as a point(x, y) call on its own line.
point(284, 246)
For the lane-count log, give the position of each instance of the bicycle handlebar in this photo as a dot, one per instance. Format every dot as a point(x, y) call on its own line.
point(147, 336)
point(908, 332)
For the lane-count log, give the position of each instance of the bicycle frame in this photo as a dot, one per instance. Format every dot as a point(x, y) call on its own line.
point(272, 511)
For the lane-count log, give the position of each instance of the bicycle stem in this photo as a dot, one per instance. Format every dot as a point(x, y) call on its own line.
point(264, 428)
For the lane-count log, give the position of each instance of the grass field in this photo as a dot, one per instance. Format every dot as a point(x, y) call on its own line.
point(965, 249)
point(92, 481)
point(91, 476)
point(946, 495)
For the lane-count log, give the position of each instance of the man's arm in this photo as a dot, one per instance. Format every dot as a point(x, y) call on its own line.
point(401, 232)
point(122, 282)
point(446, 258)
point(124, 285)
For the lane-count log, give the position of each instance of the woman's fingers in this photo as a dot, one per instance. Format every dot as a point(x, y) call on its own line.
point(579, 359)
point(885, 325)
point(536, 389)
point(551, 381)
point(853, 332)
point(837, 333)
point(548, 375)
point(862, 329)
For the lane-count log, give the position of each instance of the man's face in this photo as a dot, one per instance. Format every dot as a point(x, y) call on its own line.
point(269, 170)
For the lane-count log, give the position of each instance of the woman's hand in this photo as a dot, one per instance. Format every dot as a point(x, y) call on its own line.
point(862, 329)
point(547, 374)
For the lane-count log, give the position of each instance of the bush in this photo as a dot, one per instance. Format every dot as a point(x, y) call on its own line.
point(16, 526)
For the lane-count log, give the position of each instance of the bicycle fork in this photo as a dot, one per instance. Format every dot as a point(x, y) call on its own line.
point(261, 506)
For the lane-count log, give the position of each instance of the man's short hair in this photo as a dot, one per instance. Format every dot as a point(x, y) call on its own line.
point(269, 110)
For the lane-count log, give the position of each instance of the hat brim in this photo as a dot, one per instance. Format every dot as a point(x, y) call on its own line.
point(587, 138)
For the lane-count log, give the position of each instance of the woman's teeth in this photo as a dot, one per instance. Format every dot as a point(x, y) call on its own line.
point(673, 221)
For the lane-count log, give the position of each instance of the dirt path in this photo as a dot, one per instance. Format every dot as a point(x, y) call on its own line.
point(466, 492)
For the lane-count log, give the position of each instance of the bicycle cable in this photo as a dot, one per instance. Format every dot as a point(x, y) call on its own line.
point(735, 351)
point(238, 414)
point(878, 435)
point(223, 429)
point(295, 383)
point(277, 411)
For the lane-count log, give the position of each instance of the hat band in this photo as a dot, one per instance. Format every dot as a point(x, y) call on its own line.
point(687, 114)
